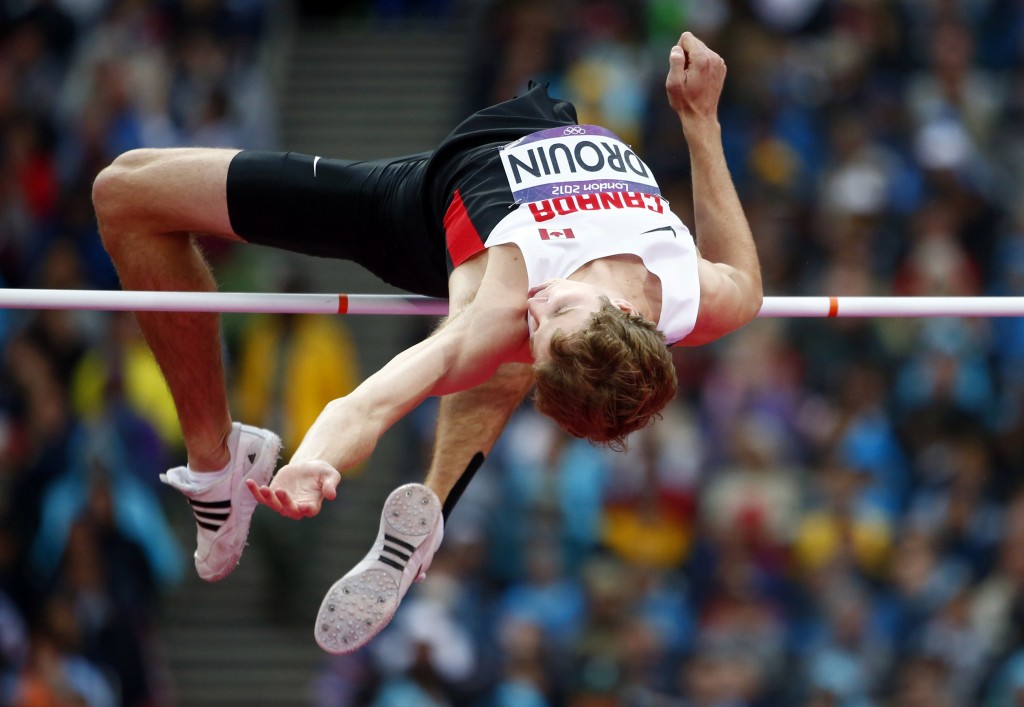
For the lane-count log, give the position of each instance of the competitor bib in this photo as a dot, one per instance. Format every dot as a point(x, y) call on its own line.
point(573, 160)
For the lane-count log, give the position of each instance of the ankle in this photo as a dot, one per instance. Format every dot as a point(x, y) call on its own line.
point(208, 464)
point(209, 458)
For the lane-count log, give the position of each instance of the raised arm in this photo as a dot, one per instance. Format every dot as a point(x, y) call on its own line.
point(729, 270)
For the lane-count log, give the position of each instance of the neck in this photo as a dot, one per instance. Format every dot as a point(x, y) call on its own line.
point(621, 277)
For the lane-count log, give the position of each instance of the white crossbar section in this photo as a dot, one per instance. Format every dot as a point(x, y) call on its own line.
point(301, 303)
point(892, 307)
point(250, 302)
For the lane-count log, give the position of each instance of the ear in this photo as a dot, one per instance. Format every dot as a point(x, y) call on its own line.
point(625, 305)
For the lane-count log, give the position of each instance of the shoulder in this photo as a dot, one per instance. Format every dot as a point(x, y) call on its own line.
point(488, 294)
point(493, 279)
point(497, 262)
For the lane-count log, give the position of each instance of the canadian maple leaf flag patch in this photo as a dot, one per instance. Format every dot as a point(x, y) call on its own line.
point(546, 235)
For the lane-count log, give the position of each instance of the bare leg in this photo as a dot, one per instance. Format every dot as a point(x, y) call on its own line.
point(361, 603)
point(149, 203)
point(468, 425)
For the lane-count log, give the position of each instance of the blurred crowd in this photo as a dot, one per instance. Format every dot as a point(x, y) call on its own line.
point(87, 549)
point(829, 515)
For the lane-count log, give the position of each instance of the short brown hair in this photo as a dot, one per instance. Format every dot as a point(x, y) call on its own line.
point(607, 380)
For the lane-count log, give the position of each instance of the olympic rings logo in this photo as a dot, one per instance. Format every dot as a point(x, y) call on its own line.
point(574, 130)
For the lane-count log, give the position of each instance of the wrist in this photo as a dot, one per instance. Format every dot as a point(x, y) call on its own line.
point(330, 438)
point(700, 127)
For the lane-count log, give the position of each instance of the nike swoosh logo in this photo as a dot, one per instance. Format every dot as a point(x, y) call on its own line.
point(670, 229)
point(315, 160)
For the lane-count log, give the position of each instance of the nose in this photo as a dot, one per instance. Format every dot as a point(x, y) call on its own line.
point(533, 291)
point(535, 306)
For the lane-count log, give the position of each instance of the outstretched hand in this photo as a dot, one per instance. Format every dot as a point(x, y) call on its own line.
point(298, 490)
point(695, 78)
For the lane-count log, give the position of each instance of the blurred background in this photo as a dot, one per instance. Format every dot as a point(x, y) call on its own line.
point(829, 515)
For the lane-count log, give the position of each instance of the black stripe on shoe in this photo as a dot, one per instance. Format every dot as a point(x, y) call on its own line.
point(390, 543)
point(398, 553)
point(214, 518)
point(389, 561)
point(210, 504)
point(400, 543)
point(211, 516)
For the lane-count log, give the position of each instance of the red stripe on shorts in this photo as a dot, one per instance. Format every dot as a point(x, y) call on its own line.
point(460, 233)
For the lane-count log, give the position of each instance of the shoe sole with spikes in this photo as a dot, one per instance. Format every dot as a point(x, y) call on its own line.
point(360, 604)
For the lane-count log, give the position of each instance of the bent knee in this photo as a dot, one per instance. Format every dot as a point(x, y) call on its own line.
point(112, 197)
point(162, 190)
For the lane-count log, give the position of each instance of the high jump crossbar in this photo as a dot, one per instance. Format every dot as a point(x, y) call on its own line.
point(391, 304)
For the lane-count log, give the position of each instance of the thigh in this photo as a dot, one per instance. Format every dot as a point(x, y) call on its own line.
point(370, 212)
point(169, 190)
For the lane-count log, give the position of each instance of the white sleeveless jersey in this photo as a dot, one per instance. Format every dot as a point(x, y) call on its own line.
point(585, 195)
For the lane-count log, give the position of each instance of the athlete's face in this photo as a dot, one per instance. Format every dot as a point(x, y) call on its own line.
point(559, 305)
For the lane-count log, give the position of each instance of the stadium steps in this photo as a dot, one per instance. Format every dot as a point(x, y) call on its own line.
point(362, 94)
point(357, 94)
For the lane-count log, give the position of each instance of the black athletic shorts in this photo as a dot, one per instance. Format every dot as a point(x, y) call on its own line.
point(387, 215)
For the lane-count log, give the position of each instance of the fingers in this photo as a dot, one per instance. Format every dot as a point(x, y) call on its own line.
point(693, 51)
point(330, 486)
point(680, 51)
point(298, 490)
point(256, 490)
point(295, 509)
point(689, 42)
point(265, 495)
point(281, 501)
point(677, 55)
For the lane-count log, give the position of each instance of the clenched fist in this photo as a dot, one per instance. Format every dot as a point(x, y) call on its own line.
point(695, 78)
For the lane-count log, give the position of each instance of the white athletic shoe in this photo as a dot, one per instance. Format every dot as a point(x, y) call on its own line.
point(364, 601)
point(224, 510)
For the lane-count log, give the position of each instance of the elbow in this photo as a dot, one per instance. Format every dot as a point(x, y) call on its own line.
point(756, 299)
point(753, 295)
point(745, 313)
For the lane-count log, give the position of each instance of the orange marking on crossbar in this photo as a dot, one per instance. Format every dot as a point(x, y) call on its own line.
point(833, 306)
point(342, 304)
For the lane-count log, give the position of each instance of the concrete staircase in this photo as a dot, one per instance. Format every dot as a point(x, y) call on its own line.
point(247, 640)
point(360, 93)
